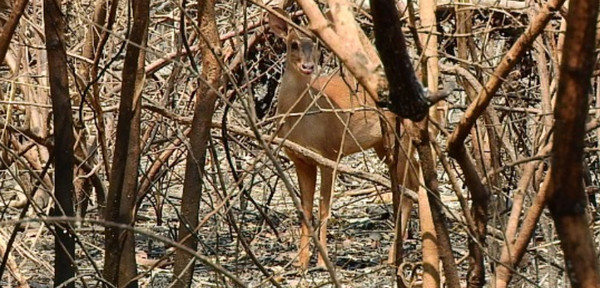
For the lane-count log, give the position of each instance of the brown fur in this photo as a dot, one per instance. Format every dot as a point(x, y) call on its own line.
point(331, 117)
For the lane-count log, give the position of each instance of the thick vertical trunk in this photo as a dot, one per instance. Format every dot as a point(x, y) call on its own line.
point(64, 245)
point(199, 136)
point(120, 265)
point(567, 200)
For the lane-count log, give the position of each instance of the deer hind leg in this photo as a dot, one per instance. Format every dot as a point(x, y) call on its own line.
point(307, 176)
point(407, 178)
point(408, 172)
point(327, 178)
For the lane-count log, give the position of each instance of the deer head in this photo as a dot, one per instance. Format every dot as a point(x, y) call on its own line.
point(301, 49)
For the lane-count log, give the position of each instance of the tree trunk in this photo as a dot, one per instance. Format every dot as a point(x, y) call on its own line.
point(406, 94)
point(567, 200)
point(64, 244)
point(199, 136)
point(120, 266)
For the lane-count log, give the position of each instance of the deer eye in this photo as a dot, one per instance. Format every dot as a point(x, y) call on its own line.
point(294, 46)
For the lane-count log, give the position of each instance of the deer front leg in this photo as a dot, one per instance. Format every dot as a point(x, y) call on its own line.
point(307, 176)
point(324, 210)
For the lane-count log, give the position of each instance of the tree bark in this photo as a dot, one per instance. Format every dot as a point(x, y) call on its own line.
point(120, 266)
point(64, 244)
point(406, 94)
point(567, 200)
point(444, 245)
point(200, 132)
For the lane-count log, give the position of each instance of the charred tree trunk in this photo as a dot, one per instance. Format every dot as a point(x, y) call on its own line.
point(199, 136)
point(120, 265)
point(408, 99)
point(567, 200)
point(64, 244)
point(406, 94)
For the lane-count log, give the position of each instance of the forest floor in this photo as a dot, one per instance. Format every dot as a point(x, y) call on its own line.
point(360, 235)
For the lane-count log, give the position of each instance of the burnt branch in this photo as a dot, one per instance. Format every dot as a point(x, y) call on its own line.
point(405, 95)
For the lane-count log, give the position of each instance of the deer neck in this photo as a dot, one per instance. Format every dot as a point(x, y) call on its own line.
point(293, 91)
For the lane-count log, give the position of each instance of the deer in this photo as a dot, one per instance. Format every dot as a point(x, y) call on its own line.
point(330, 117)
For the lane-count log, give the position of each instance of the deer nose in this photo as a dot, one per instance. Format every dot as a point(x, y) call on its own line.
point(307, 68)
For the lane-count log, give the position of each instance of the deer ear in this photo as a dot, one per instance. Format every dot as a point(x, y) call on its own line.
point(277, 24)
